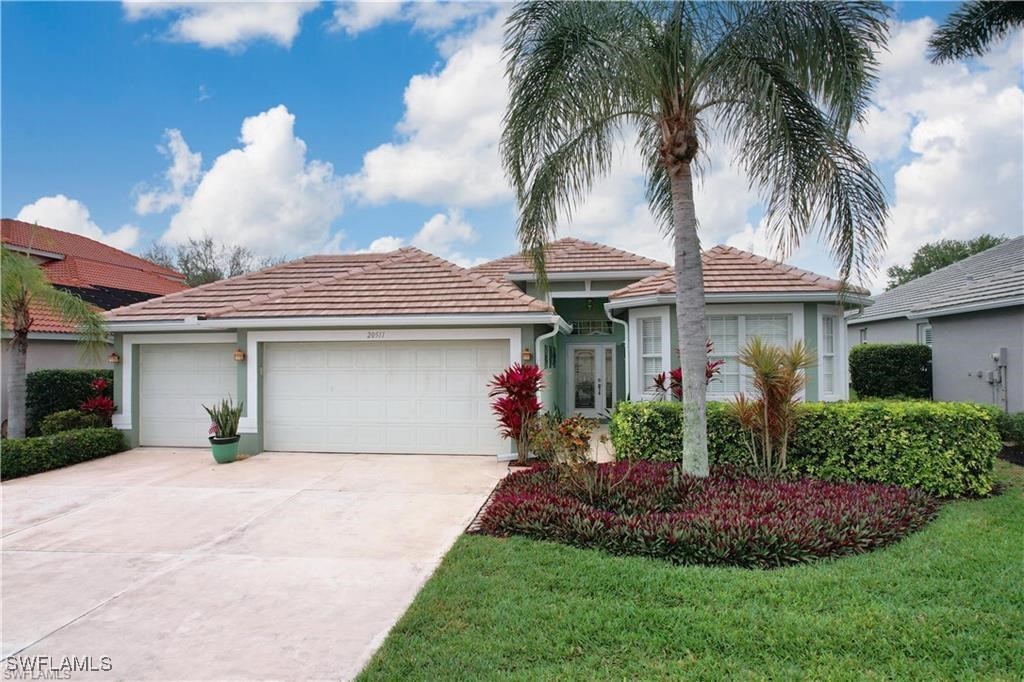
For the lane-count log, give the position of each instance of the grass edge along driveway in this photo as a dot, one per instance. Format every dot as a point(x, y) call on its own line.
point(946, 603)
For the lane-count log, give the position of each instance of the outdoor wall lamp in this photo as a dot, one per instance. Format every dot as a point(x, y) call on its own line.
point(239, 355)
point(114, 359)
point(527, 355)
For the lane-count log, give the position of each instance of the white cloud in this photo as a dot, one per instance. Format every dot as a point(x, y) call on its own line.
point(71, 215)
point(356, 17)
point(448, 148)
point(227, 25)
point(444, 235)
point(955, 135)
point(266, 195)
point(181, 176)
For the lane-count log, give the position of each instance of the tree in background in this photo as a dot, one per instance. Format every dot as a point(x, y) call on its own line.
point(935, 255)
point(203, 260)
point(778, 83)
point(25, 287)
point(971, 30)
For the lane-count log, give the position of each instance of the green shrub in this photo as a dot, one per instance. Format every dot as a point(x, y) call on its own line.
point(654, 430)
point(891, 370)
point(27, 456)
point(53, 390)
point(1011, 426)
point(945, 449)
point(69, 420)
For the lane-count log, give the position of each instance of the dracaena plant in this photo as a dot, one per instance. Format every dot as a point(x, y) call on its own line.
point(769, 414)
point(673, 381)
point(515, 403)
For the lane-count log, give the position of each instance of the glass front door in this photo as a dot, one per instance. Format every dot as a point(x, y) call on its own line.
point(592, 387)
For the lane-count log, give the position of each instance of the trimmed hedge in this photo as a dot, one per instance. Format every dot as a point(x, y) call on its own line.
point(654, 430)
point(54, 390)
point(1011, 426)
point(945, 449)
point(26, 456)
point(69, 420)
point(891, 370)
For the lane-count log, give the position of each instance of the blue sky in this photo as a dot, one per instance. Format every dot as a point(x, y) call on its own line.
point(398, 108)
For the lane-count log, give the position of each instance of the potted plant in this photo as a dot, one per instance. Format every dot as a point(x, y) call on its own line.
point(224, 430)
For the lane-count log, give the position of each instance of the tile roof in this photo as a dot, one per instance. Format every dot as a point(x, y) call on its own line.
point(569, 255)
point(86, 265)
point(728, 270)
point(403, 282)
point(992, 278)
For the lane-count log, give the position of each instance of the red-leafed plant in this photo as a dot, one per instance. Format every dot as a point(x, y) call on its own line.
point(515, 403)
point(674, 381)
point(649, 509)
point(100, 403)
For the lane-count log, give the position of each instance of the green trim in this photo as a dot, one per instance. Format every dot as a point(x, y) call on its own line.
point(811, 342)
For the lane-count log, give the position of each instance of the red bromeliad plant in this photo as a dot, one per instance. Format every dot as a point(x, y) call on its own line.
point(515, 403)
point(101, 403)
point(674, 380)
point(647, 509)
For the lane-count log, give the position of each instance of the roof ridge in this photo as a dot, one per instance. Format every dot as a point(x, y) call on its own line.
point(489, 282)
point(389, 256)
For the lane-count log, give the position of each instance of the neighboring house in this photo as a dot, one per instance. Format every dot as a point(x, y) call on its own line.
point(101, 275)
point(391, 353)
point(972, 315)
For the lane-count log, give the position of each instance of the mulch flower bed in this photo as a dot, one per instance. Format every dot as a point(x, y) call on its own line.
point(650, 509)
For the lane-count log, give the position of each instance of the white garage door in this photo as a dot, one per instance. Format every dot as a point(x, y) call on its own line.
point(174, 383)
point(386, 397)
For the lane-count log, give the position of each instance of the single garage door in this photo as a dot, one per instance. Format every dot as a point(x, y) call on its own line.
point(174, 383)
point(384, 397)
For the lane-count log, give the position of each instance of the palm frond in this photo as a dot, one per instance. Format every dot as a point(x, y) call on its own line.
point(970, 30)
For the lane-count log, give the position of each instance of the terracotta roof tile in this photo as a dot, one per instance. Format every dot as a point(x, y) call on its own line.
point(568, 255)
point(728, 270)
point(86, 264)
point(403, 282)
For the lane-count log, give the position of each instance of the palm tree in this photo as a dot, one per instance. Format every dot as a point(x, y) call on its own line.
point(24, 287)
point(971, 29)
point(780, 83)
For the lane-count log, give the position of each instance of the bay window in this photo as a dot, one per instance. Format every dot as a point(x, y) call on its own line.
point(828, 354)
point(652, 361)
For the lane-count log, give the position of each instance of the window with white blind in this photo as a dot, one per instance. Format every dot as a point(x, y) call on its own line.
point(728, 334)
point(652, 362)
point(924, 334)
point(828, 354)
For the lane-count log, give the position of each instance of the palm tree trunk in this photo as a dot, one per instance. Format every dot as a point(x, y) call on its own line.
point(690, 322)
point(16, 386)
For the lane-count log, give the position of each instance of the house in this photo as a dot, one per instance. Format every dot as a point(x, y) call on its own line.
point(972, 315)
point(101, 275)
point(392, 352)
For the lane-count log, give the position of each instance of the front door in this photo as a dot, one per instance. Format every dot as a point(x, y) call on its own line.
point(592, 385)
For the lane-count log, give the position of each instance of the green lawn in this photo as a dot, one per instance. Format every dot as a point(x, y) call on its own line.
point(946, 603)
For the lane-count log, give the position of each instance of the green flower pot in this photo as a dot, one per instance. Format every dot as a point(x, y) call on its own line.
point(224, 449)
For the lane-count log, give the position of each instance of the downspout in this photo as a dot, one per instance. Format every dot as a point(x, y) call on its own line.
point(538, 347)
point(625, 336)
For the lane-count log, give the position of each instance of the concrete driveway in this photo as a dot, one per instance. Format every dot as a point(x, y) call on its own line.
point(280, 566)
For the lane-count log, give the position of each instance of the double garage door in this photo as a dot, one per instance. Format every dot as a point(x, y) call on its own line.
point(373, 397)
